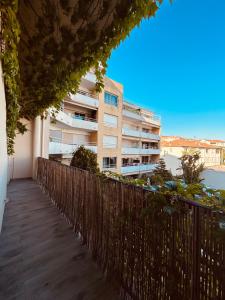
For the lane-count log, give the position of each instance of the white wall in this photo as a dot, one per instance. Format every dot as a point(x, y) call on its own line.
point(20, 163)
point(3, 148)
point(28, 146)
point(214, 178)
point(172, 164)
point(210, 157)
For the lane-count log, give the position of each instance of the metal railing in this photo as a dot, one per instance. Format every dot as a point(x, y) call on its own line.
point(110, 166)
point(64, 141)
point(137, 164)
point(143, 147)
point(85, 93)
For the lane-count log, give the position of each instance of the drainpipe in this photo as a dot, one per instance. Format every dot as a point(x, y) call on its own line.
point(45, 123)
point(36, 143)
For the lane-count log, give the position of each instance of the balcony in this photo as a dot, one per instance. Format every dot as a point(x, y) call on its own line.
point(139, 151)
point(91, 77)
point(85, 99)
point(137, 168)
point(109, 167)
point(140, 134)
point(155, 120)
point(56, 147)
point(67, 119)
point(40, 256)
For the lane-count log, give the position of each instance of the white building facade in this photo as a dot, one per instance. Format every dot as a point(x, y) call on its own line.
point(172, 148)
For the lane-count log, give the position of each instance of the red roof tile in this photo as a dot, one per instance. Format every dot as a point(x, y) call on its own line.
point(182, 142)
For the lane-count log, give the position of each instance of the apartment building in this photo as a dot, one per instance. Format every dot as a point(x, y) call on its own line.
point(124, 136)
point(173, 147)
point(219, 144)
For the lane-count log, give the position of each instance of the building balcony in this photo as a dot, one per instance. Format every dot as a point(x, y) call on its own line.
point(91, 77)
point(85, 99)
point(110, 167)
point(155, 120)
point(139, 151)
point(140, 134)
point(137, 168)
point(56, 147)
point(75, 122)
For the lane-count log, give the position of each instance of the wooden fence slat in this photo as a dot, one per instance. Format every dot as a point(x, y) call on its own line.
point(151, 256)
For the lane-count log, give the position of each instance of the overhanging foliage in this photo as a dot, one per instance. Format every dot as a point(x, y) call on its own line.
point(60, 41)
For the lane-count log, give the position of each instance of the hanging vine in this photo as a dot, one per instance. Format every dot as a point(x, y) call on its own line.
point(9, 55)
point(59, 42)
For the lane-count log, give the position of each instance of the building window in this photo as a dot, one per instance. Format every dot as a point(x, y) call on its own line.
point(111, 99)
point(109, 141)
point(110, 120)
point(145, 159)
point(109, 162)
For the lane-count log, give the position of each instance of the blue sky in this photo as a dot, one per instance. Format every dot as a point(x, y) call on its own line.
point(174, 64)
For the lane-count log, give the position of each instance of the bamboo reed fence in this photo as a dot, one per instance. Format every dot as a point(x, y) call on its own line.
point(152, 249)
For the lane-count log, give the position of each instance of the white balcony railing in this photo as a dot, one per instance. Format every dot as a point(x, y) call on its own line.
point(91, 77)
point(109, 167)
point(85, 98)
point(88, 124)
point(155, 120)
point(139, 151)
point(138, 168)
point(61, 148)
point(140, 134)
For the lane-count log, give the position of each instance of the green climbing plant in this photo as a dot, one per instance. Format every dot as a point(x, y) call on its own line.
point(10, 63)
point(54, 55)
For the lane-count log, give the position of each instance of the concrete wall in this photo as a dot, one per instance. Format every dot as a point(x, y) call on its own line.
point(20, 163)
point(3, 148)
point(172, 163)
point(214, 178)
point(33, 143)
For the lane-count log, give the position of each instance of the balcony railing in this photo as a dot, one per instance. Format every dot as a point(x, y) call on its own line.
point(137, 168)
point(140, 134)
point(77, 122)
point(155, 120)
point(110, 166)
point(85, 98)
point(153, 249)
point(58, 147)
point(139, 151)
point(91, 77)
point(85, 93)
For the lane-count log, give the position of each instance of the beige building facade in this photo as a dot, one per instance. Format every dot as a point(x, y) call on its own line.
point(124, 136)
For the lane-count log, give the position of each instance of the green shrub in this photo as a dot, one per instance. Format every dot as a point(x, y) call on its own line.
point(161, 171)
point(191, 167)
point(85, 159)
point(156, 179)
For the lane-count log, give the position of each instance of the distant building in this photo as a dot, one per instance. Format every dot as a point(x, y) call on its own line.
point(125, 137)
point(173, 147)
point(221, 144)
